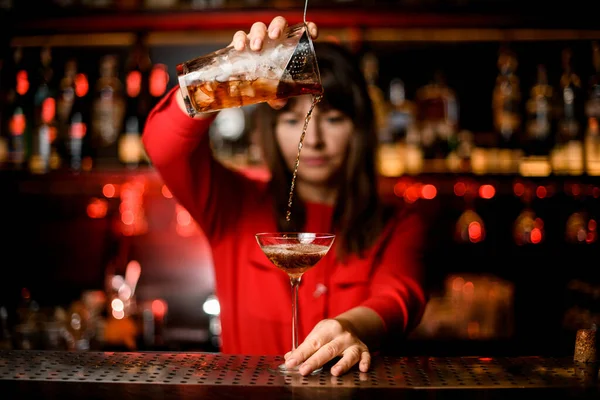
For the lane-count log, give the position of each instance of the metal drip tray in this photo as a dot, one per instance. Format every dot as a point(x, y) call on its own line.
point(212, 369)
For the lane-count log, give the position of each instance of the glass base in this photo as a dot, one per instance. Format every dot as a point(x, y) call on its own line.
point(281, 369)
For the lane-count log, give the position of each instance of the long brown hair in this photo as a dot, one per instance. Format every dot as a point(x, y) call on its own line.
point(359, 215)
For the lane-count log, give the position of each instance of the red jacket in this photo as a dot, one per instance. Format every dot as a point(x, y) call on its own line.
point(255, 296)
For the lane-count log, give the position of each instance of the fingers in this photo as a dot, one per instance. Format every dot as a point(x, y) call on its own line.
point(276, 27)
point(312, 30)
point(305, 350)
point(257, 35)
point(259, 32)
point(352, 355)
point(239, 40)
point(326, 353)
point(321, 345)
point(277, 104)
point(365, 361)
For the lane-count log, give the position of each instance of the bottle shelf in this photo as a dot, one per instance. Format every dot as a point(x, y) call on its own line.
point(515, 24)
point(347, 34)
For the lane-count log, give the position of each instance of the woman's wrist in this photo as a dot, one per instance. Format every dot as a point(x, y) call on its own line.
point(363, 323)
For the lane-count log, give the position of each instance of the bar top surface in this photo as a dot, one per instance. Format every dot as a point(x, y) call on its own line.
point(182, 375)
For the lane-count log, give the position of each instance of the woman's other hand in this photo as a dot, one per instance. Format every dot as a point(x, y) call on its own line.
point(329, 339)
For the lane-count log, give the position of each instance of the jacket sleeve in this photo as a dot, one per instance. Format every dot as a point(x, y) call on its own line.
point(178, 147)
point(397, 293)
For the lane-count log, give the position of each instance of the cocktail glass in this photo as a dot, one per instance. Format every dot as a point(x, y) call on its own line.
point(294, 253)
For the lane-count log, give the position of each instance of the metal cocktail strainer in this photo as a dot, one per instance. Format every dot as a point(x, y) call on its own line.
point(302, 65)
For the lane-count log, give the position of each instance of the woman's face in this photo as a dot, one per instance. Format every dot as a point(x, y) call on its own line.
point(325, 144)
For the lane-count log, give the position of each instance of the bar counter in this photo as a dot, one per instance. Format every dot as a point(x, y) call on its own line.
point(163, 375)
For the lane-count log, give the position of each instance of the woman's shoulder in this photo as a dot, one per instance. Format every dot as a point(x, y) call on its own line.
point(403, 223)
point(402, 215)
point(240, 183)
point(249, 180)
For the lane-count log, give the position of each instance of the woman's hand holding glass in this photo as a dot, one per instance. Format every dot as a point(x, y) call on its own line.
point(329, 339)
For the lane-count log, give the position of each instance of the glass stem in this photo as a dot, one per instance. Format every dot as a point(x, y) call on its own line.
point(295, 283)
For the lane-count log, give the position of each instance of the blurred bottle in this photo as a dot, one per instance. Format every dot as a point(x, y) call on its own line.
point(5, 335)
point(74, 115)
point(44, 155)
point(470, 227)
point(370, 69)
point(402, 150)
point(592, 147)
point(582, 225)
point(528, 228)
point(106, 4)
point(56, 334)
point(28, 332)
point(18, 117)
point(107, 113)
point(402, 116)
point(79, 326)
point(568, 153)
point(592, 111)
point(437, 115)
point(506, 107)
point(538, 138)
point(159, 82)
point(207, 4)
point(507, 100)
point(3, 132)
point(158, 4)
point(64, 104)
point(78, 124)
point(95, 304)
point(138, 102)
point(580, 305)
